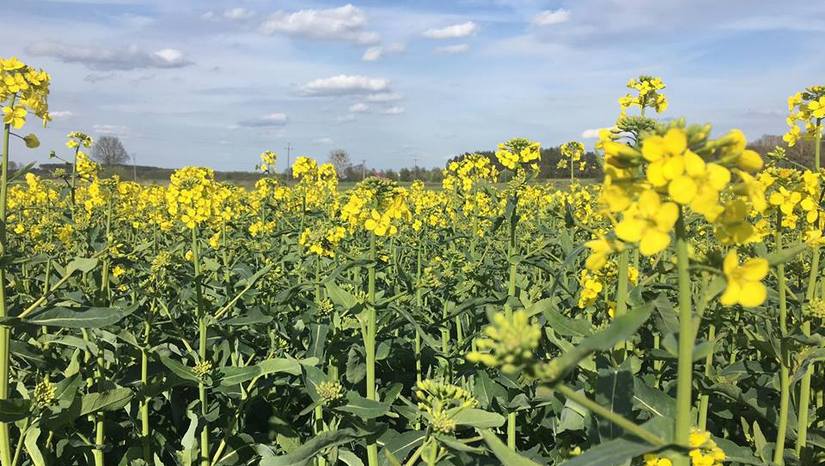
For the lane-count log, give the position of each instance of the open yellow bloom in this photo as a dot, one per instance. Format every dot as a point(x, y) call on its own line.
point(700, 185)
point(666, 156)
point(16, 117)
point(744, 281)
point(649, 222)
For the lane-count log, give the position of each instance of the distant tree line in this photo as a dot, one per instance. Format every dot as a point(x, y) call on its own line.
point(802, 153)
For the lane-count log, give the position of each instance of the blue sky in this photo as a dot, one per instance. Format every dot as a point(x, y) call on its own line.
point(215, 83)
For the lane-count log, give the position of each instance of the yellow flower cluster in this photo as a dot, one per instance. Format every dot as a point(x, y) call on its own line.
point(322, 242)
point(703, 452)
point(808, 109)
point(23, 90)
point(463, 175)
point(675, 171)
point(572, 152)
point(427, 207)
point(377, 205)
point(330, 391)
point(268, 160)
point(192, 196)
point(647, 95)
point(519, 154)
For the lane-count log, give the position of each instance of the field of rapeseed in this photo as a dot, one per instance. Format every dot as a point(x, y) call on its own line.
point(670, 315)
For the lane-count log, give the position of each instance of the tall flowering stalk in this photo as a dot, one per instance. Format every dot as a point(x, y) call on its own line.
point(650, 190)
point(23, 90)
point(807, 108)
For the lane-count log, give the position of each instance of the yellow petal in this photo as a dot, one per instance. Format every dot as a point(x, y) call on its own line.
point(754, 269)
point(630, 230)
point(653, 241)
point(682, 189)
point(753, 294)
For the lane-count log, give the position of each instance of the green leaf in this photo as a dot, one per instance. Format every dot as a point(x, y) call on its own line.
point(400, 445)
point(301, 455)
point(340, 296)
point(562, 324)
point(92, 317)
point(31, 442)
point(619, 330)
point(786, 254)
point(82, 264)
point(504, 453)
point(614, 391)
point(110, 400)
point(478, 418)
point(653, 401)
point(485, 389)
point(255, 316)
point(179, 369)
point(13, 410)
point(237, 375)
point(362, 407)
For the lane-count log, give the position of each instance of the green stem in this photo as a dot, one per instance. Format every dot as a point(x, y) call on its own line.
point(784, 377)
point(145, 431)
point(684, 383)
point(704, 399)
point(202, 339)
point(805, 383)
point(369, 344)
point(5, 442)
point(622, 282)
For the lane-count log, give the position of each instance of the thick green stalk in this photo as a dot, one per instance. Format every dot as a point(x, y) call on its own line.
point(202, 334)
point(684, 382)
point(622, 281)
point(704, 399)
point(145, 429)
point(784, 377)
point(511, 292)
point(369, 343)
point(805, 383)
point(5, 442)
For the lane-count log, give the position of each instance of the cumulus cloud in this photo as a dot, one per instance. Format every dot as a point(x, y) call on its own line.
point(384, 97)
point(110, 130)
point(265, 121)
point(591, 133)
point(377, 52)
point(551, 17)
point(453, 49)
point(343, 23)
point(345, 85)
point(100, 58)
point(452, 32)
point(60, 114)
point(396, 110)
point(359, 107)
point(238, 14)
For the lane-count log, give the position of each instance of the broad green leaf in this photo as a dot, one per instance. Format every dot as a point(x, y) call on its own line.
point(504, 454)
point(478, 418)
point(301, 455)
point(82, 264)
point(110, 400)
point(13, 410)
point(92, 317)
point(362, 407)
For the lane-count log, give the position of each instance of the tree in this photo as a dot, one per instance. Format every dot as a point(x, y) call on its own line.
point(108, 150)
point(339, 158)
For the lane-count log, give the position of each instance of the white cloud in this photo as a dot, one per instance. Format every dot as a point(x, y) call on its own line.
point(99, 58)
point(384, 97)
point(359, 107)
point(209, 16)
point(238, 14)
point(377, 52)
point(324, 141)
point(551, 17)
point(396, 110)
point(345, 84)
point(110, 130)
point(343, 23)
point(60, 114)
point(453, 49)
point(452, 32)
point(348, 118)
point(266, 121)
point(591, 133)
